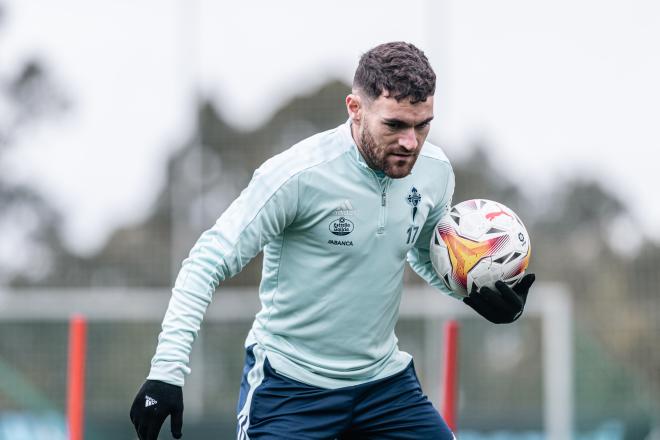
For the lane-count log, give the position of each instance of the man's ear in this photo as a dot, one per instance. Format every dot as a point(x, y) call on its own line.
point(355, 107)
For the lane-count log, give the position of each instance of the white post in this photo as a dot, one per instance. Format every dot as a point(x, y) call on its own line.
point(557, 316)
point(432, 358)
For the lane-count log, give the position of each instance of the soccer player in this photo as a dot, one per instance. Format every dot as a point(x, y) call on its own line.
point(337, 216)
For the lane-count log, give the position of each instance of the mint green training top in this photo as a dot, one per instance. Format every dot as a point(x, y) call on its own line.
point(335, 238)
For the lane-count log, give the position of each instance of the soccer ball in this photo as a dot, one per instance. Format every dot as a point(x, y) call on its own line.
point(477, 243)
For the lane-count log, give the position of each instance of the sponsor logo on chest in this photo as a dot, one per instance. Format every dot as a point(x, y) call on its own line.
point(340, 242)
point(341, 226)
point(344, 208)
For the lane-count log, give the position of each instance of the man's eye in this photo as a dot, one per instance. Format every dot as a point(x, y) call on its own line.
point(393, 125)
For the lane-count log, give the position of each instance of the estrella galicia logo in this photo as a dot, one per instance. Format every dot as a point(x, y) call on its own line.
point(413, 199)
point(341, 226)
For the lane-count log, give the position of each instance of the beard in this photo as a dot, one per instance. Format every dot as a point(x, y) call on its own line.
point(376, 156)
point(373, 155)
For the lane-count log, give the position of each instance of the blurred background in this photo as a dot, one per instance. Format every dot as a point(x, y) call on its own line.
point(126, 128)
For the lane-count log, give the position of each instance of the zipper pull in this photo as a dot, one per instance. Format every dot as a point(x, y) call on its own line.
point(382, 199)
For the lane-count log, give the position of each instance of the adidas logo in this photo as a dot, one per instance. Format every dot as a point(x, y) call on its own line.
point(344, 208)
point(148, 401)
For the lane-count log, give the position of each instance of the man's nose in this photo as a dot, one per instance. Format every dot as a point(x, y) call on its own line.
point(408, 140)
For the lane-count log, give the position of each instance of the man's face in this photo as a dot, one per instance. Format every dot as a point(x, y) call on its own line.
point(390, 133)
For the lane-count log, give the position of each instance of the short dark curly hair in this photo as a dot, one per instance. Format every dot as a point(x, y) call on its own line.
point(398, 68)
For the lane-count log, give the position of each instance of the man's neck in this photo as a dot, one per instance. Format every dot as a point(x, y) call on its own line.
point(356, 138)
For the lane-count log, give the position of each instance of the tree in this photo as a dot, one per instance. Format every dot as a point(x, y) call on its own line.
point(29, 222)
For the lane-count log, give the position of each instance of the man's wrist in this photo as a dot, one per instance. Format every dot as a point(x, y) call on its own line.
point(167, 375)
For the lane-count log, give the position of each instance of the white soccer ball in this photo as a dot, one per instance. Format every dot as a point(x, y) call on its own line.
point(477, 243)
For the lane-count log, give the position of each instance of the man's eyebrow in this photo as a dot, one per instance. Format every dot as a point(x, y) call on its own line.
point(401, 123)
point(426, 121)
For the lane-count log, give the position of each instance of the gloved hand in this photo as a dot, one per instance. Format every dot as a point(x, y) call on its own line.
point(504, 305)
point(153, 403)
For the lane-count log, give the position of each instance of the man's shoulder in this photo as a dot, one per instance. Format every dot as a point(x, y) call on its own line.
point(308, 153)
point(432, 151)
point(434, 166)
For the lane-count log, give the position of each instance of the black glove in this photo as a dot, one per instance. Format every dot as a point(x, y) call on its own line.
point(153, 403)
point(502, 306)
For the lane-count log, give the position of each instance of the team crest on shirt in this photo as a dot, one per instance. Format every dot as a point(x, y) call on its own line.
point(413, 198)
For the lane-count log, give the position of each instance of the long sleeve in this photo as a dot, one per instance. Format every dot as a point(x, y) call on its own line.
point(259, 214)
point(419, 256)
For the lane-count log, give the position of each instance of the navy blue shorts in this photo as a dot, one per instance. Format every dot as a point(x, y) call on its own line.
point(272, 406)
